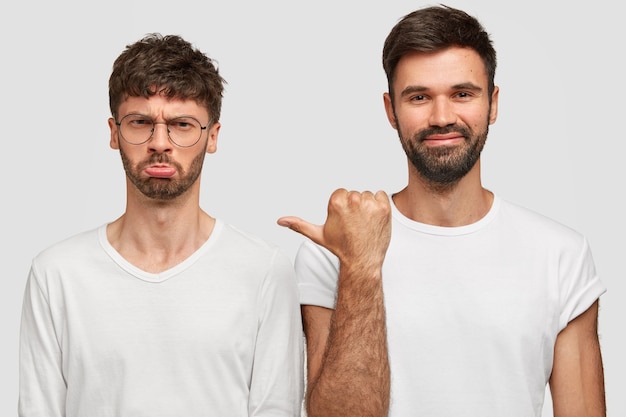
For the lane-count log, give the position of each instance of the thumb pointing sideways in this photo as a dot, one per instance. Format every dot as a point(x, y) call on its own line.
point(312, 231)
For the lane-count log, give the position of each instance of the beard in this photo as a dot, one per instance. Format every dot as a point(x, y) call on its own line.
point(443, 166)
point(162, 188)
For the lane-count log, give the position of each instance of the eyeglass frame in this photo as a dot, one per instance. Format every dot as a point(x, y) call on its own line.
point(166, 122)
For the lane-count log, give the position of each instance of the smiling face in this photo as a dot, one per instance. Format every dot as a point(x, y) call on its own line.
point(159, 169)
point(442, 111)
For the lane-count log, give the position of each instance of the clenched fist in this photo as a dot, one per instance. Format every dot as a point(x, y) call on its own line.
point(357, 229)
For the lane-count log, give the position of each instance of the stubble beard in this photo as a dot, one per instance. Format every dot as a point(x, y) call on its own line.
point(442, 167)
point(163, 189)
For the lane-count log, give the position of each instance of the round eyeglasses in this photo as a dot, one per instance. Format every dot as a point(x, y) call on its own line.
point(137, 129)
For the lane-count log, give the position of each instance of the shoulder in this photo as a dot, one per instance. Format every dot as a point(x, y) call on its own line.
point(247, 248)
point(60, 261)
point(245, 241)
point(68, 249)
point(538, 225)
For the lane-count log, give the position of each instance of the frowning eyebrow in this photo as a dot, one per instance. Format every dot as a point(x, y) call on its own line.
point(412, 89)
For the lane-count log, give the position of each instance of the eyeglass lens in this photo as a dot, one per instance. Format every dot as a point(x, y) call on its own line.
point(137, 129)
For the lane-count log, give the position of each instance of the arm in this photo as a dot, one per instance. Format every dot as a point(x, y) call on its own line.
point(277, 375)
point(577, 381)
point(42, 386)
point(348, 367)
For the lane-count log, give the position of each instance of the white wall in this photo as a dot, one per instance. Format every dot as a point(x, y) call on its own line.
point(303, 115)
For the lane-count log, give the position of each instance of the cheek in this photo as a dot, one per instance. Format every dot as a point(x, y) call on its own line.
point(476, 119)
point(412, 120)
point(131, 155)
point(409, 120)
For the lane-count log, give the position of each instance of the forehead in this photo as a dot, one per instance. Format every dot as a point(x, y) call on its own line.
point(160, 105)
point(445, 68)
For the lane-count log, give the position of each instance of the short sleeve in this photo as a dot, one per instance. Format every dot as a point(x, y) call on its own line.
point(580, 284)
point(317, 271)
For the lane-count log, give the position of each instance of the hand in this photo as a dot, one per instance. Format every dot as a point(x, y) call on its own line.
point(357, 229)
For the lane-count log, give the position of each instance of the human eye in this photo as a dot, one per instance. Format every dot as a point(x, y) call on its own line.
point(137, 121)
point(183, 124)
point(417, 98)
point(466, 91)
point(463, 96)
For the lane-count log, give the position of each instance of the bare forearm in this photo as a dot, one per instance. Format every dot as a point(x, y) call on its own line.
point(583, 392)
point(354, 374)
point(347, 348)
point(577, 381)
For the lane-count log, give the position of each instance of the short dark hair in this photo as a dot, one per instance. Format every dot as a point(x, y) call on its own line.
point(433, 29)
point(167, 65)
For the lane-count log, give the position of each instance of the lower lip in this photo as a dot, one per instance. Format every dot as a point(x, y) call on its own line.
point(443, 142)
point(160, 172)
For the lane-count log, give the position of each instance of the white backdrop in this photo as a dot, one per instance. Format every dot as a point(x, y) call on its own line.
point(303, 115)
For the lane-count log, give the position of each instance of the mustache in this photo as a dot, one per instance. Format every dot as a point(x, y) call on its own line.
point(159, 158)
point(436, 130)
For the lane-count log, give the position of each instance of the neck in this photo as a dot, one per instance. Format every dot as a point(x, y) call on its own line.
point(157, 235)
point(460, 204)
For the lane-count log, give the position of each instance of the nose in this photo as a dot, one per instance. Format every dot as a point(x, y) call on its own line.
point(160, 139)
point(442, 113)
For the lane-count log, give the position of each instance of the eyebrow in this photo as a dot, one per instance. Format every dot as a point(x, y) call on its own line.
point(467, 86)
point(420, 88)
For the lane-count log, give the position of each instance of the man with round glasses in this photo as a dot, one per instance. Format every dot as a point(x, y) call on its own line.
point(165, 311)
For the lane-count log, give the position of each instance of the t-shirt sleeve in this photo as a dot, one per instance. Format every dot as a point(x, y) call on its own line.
point(317, 271)
point(580, 284)
point(277, 378)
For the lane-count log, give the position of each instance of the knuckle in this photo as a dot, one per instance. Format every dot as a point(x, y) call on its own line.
point(354, 196)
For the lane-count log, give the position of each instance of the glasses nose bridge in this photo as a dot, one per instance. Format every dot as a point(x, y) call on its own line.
point(167, 130)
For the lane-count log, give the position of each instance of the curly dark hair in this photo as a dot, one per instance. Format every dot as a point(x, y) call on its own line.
point(166, 65)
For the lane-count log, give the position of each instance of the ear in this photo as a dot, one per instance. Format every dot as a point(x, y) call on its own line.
point(391, 117)
point(213, 133)
point(114, 141)
point(493, 112)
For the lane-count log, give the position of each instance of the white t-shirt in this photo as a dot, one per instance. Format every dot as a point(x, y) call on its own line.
point(473, 312)
point(217, 335)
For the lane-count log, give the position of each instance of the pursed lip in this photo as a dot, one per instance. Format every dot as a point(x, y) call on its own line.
point(160, 171)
